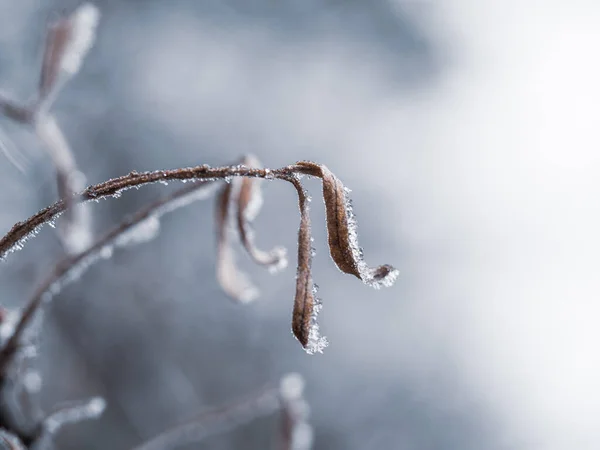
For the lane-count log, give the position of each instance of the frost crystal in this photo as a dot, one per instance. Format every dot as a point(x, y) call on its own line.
point(316, 343)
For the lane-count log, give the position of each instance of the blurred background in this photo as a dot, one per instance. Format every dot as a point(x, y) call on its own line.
point(468, 132)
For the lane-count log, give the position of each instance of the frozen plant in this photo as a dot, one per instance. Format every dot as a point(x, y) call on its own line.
point(22, 423)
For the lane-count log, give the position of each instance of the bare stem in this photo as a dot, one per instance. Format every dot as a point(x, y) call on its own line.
point(19, 233)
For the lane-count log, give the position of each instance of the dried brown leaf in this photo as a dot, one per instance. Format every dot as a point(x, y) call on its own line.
point(249, 202)
point(67, 42)
point(341, 230)
point(306, 305)
point(57, 41)
point(234, 282)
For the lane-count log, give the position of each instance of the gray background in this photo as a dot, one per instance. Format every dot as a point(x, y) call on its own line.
point(468, 133)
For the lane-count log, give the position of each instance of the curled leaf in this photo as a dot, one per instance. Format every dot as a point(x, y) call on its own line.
point(306, 305)
point(249, 202)
point(341, 230)
point(235, 283)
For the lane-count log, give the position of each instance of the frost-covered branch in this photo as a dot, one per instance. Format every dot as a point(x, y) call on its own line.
point(341, 228)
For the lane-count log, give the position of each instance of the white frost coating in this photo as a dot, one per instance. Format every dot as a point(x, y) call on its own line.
point(91, 409)
point(199, 194)
point(84, 23)
point(21, 242)
point(315, 342)
point(143, 231)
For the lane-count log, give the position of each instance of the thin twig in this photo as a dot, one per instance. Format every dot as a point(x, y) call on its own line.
point(19, 233)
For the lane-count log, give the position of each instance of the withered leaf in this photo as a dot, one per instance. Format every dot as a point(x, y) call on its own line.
point(67, 42)
point(57, 40)
point(235, 283)
point(341, 230)
point(249, 202)
point(306, 306)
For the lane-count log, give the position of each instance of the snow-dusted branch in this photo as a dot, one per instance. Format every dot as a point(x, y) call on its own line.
point(341, 228)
